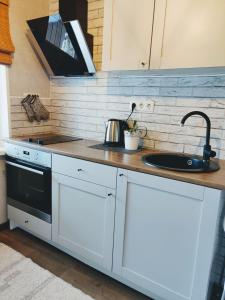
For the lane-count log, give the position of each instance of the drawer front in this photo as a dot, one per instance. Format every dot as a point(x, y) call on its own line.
point(85, 170)
point(29, 222)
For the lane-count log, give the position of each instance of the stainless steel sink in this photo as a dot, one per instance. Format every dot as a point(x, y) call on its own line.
point(180, 162)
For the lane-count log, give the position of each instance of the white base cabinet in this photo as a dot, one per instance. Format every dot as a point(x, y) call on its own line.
point(154, 234)
point(165, 235)
point(83, 219)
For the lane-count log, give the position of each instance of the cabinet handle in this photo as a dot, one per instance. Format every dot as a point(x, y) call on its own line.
point(110, 194)
point(26, 222)
point(143, 63)
point(79, 170)
point(121, 175)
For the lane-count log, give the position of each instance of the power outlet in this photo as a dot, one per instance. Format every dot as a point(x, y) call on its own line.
point(143, 106)
point(149, 106)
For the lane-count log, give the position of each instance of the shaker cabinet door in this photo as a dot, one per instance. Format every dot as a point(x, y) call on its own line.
point(127, 34)
point(188, 34)
point(164, 235)
point(83, 219)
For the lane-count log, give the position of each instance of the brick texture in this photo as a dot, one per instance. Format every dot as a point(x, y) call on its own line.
point(80, 106)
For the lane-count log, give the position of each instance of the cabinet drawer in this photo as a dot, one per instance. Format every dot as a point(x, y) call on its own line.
point(30, 222)
point(85, 170)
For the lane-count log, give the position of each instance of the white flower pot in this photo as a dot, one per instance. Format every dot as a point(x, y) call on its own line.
point(131, 140)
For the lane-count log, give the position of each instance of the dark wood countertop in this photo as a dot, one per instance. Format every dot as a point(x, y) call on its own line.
point(80, 149)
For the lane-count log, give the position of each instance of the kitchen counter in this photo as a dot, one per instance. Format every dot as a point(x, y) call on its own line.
point(80, 149)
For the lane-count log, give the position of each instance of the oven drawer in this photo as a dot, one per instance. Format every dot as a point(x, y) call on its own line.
point(85, 170)
point(30, 223)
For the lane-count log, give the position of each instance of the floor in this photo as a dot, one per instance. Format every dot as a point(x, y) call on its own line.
point(90, 281)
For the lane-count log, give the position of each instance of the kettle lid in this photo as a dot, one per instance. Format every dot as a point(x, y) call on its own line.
point(114, 120)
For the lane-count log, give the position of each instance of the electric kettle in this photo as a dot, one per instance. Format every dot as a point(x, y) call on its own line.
point(114, 134)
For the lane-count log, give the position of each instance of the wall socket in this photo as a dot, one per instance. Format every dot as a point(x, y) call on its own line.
point(143, 105)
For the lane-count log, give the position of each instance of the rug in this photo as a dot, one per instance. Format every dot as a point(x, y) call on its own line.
point(21, 279)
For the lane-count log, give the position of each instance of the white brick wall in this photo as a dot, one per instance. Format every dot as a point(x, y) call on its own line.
point(81, 106)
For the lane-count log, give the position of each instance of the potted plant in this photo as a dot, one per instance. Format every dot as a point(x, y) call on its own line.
point(132, 136)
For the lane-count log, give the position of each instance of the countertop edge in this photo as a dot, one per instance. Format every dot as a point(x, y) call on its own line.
point(174, 175)
point(154, 171)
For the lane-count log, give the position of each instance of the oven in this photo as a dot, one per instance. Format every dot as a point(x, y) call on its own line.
point(29, 186)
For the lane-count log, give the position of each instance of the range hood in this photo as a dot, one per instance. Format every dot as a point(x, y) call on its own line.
point(61, 46)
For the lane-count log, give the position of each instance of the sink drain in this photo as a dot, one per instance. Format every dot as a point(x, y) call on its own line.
point(189, 162)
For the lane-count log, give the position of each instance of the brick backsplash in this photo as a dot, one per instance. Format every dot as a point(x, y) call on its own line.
point(80, 106)
point(95, 26)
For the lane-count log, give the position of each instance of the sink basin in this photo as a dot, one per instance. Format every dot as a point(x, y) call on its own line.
point(179, 162)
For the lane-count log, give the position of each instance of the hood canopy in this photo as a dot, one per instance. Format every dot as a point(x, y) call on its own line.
point(62, 46)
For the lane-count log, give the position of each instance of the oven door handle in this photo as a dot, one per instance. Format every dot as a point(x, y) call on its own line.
point(25, 168)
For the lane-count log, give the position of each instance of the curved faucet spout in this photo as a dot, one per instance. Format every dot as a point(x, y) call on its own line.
point(208, 122)
point(207, 152)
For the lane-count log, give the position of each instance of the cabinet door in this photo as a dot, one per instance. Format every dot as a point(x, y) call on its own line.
point(188, 34)
point(165, 235)
point(127, 34)
point(83, 219)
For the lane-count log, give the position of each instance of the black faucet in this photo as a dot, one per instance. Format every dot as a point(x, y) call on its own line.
point(207, 152)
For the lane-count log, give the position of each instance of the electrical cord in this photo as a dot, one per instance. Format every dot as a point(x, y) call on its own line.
point(132, 110)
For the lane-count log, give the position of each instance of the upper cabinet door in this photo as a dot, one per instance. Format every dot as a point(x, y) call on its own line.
point(188, 34)
point(127, 34)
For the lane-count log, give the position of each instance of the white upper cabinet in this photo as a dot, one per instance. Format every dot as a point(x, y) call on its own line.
point(127, 34)
point(188, 34)
point(163, 34)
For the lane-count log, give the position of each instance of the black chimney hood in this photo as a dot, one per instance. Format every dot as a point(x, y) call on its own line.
point(61, 46)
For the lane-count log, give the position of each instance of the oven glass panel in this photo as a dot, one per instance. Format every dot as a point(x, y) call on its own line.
point(29, 188)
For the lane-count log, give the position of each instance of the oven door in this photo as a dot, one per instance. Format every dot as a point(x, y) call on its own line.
point(29, 188)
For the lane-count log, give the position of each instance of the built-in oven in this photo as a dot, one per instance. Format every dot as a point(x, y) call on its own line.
point(29, 183)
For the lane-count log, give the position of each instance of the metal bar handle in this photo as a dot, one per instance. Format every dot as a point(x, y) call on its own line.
point(25, 168)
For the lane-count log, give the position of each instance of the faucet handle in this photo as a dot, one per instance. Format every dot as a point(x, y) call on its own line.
point(212, 153)
point(207, 153)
